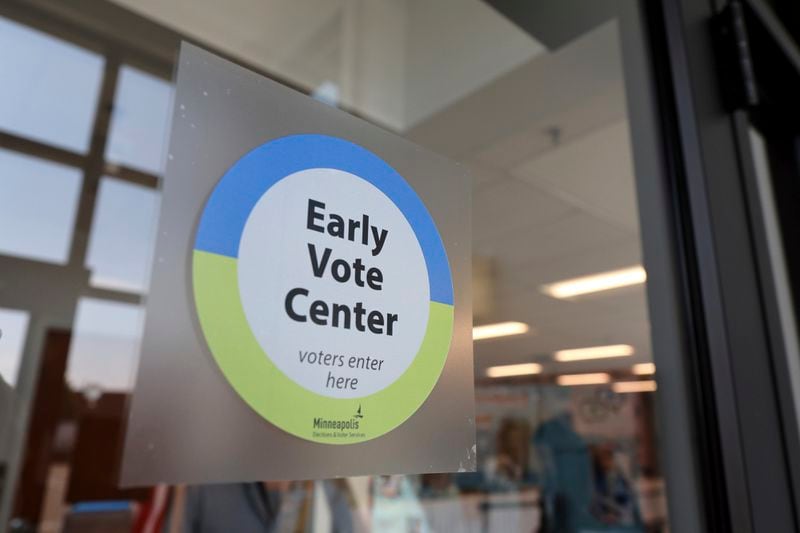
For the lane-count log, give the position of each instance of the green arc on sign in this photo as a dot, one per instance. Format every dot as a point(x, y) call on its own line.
point(283, 402)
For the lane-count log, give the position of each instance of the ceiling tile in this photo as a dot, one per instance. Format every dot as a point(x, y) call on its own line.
point(594, 173)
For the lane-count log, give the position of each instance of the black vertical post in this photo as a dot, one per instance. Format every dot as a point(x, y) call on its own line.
point(733, 324)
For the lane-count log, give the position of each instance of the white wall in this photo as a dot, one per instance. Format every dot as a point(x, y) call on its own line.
point(394, 61)
point(456, 47)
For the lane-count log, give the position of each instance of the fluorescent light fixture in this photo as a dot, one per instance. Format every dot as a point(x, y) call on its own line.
point(501, 329)
point(594, 352)
point(644, 369)
point(522, 369)
point(622, 387)
point(603, 281)
point(583, 379)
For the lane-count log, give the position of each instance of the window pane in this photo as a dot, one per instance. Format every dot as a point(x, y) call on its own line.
point(122, 236)
point(38, 202)
point(49, 89)
point(105, 347)
point(564, 414)
point(13, 329)
point(139, 124)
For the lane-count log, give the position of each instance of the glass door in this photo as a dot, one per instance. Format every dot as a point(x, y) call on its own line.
point(584, 418)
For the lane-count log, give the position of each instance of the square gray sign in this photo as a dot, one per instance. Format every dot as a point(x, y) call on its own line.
point(194, 420)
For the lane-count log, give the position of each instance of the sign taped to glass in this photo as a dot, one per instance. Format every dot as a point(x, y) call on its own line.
point(310, 295)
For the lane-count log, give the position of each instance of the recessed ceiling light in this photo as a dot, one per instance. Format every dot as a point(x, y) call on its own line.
point(569, 288)
point(583, 379)
point(501, 329)
point(521, 369)
point(594, 352)
point(622, 387)
point(644, 369)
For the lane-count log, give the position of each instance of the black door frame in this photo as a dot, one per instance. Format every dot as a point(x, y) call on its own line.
point(773, 110)
point(713, 89)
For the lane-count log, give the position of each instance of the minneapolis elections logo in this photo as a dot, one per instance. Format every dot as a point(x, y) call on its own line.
point(323, 289)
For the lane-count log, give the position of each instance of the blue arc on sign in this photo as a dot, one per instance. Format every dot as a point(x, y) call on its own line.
point(228, 208)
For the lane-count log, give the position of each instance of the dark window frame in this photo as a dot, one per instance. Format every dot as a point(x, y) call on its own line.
point(740, 364)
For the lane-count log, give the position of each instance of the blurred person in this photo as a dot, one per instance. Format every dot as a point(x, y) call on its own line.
point(509, 467)
point(258, 507)
point(246, 507)
point(396, 507)
point(613, 499)
point(437, 486)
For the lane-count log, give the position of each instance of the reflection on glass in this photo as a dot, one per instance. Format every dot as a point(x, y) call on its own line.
point(396, 62)
point(550, 459)
point(139, 124)
point(13, 332)
point(544, 130)
point(50, 87)
point(38, 202)
point(104, 347)
point(13, 329)
point(122, 237)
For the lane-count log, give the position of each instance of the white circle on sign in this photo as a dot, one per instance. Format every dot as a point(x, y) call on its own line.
point(275, 259)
